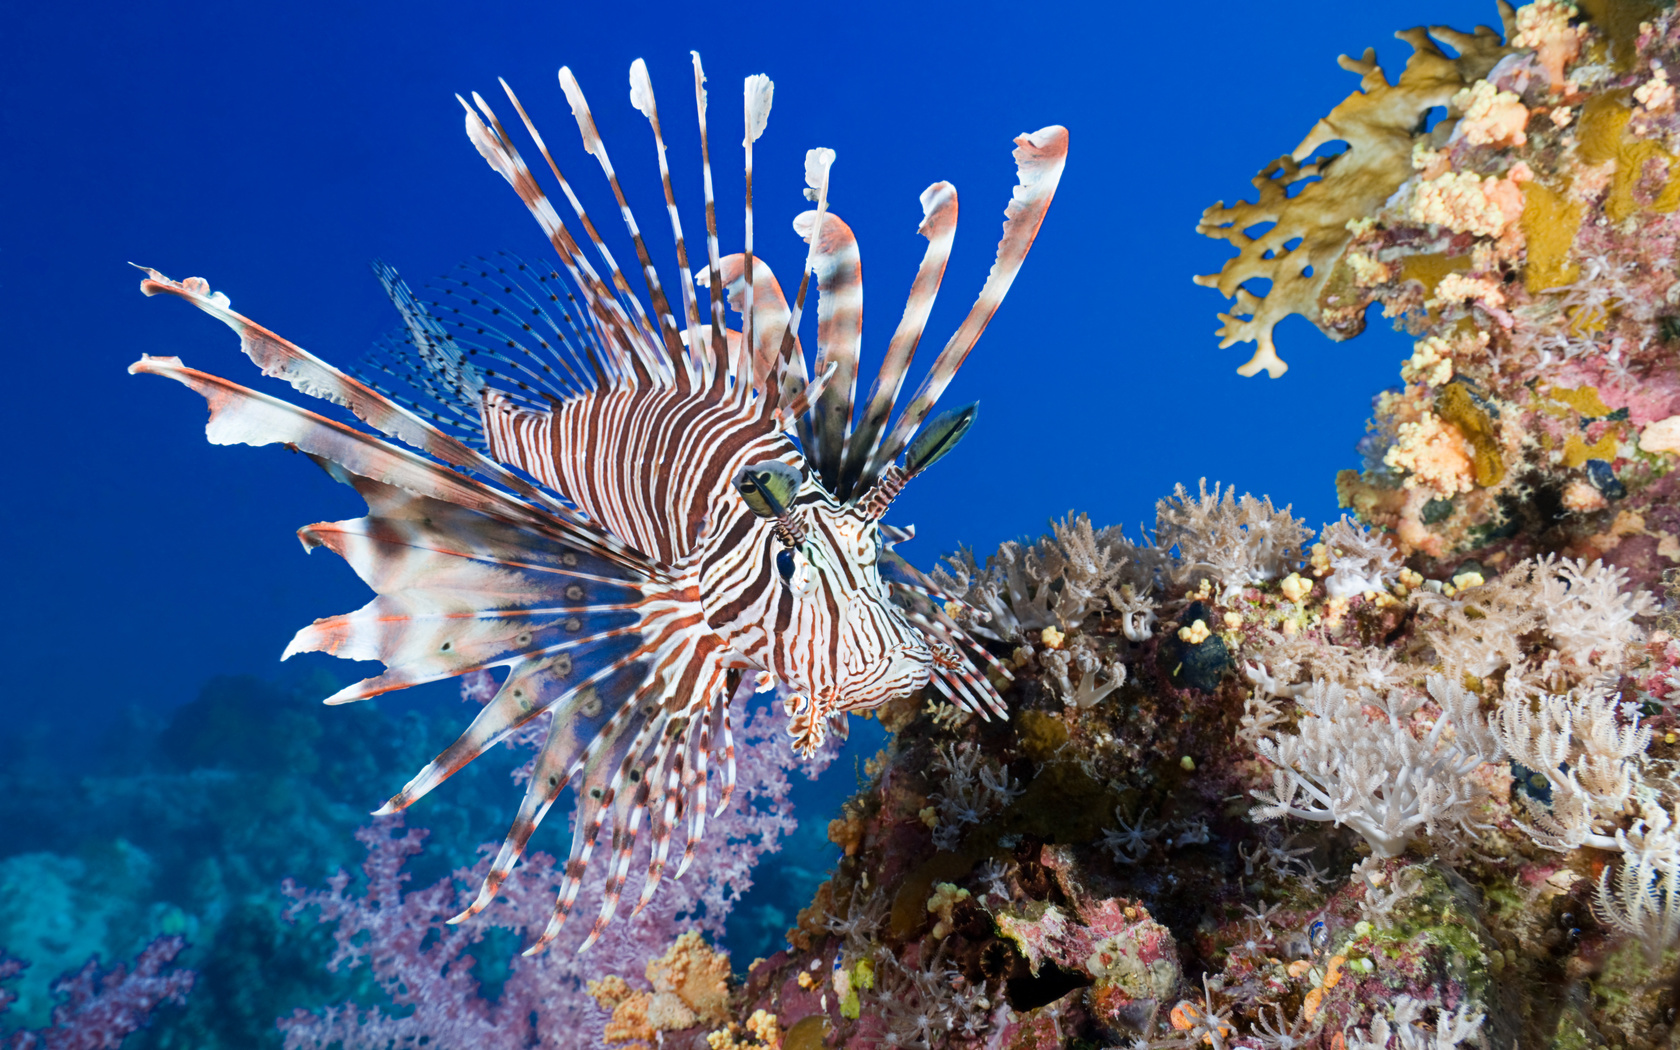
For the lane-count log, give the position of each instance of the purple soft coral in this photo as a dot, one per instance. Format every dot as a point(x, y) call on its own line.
point(101, 1008)
point(425, 965)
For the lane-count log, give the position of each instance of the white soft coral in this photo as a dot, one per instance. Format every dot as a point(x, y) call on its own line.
point(1357, 559)
point(1235, 541)
point(1365, 759)
point(1586, 751)
point(1578, 609)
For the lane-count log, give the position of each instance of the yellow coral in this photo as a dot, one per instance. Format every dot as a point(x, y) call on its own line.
point(763, 1026)
point(1051, 637)
point(1430, 363)
point(1457, 288)
point(696, 974)
point(1295, 587)
point(946, 896)
point(1465, 202)
point(1380, 124)
point(1195, 634)
point(1433, 451)
point(1656, 93)
point(1491, 117)
point(1367, 272)
point(629, 1022)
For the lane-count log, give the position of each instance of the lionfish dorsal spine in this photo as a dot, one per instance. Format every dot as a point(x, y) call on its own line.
point(641, 96)
point(1039, 158)
point(939, 226)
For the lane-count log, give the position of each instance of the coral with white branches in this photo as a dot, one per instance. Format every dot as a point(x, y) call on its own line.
point(1367, 760)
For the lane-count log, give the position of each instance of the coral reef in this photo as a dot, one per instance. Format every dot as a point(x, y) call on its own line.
point(424, 964)
point(1389, 810)
point(1527, 239)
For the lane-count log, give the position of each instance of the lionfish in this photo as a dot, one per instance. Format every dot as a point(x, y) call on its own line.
point(635, 513)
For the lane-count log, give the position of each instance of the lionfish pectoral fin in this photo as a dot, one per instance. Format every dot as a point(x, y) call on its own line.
point(310, 375)
point(587, 722)
point(533, 686)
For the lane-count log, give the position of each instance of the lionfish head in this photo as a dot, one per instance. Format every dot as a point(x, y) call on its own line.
point(847, 646)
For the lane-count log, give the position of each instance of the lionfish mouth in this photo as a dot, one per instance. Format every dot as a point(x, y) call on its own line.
point(902, 670)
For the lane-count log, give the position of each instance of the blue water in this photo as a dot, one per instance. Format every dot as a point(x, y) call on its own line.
point(276, 151)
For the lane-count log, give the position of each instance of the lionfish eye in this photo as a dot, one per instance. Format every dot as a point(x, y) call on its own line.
point(784, 564)
point(768, 488)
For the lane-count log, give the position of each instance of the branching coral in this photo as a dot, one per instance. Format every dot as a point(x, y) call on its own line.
point(921, 1006)
point(1584, 614)
point(1234, 541)
point(1452, 1028)
point(1060, 581)
point(101, 1007)
point(1299, 253)
point(425, 964)
point(1643, 898)
point(1355, 560)
point(1096, 680)
point(972, 788)
point(1386, 775)
point(1584, 750)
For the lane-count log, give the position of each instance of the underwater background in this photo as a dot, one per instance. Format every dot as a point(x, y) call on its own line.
point(160, 772)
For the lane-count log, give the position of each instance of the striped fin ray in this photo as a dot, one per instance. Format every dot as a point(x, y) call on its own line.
point(619, 334)
point(756, 95)
point(457, 590)
point(771, 321)
point(617, 770)
point(240, 416)
point(839, 271)
point(667, 322)
point(687, 665)
point(939, 226)
point(641, 96)
point(725, 364)
point(1039, 158)
point(587, 732)
point(924, 605)
point(643, 343)
point(602, 731)
point(698, 788)
point(309, 374)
